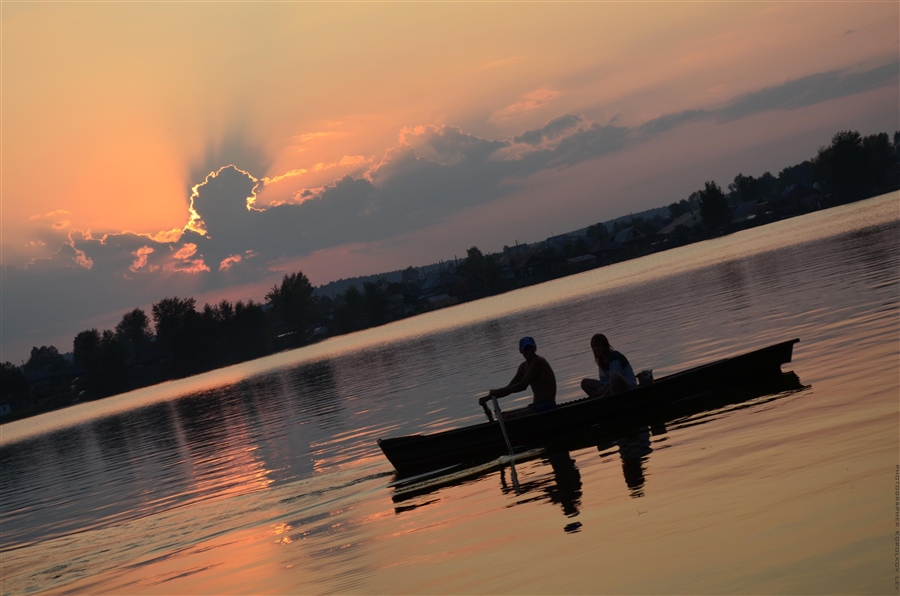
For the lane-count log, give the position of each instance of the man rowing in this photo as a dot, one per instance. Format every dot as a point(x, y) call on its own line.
point(536, 373)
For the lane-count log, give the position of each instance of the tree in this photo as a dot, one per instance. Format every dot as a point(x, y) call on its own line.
point(474, 265)
point(410, 275)
point(46, 358)
point(714, 209)
point(292, 301)
point(112, 354)
point(349, 315)
point(878, 160)
point(13, 383)
point(178, 328)
point(86, 349)
point(745, 188)
point(679, 208)
point(376, 303)
point(839, 167)
point(248, 337)
point(853, 167)
point(598, 231)
point(134, 330)
point(802, 173)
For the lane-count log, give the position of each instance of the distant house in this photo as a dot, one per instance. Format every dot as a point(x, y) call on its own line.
point(630, 234)
point(440, 283)
point(558, 242)
point(522, 266)
point(582, 262)
point(688, 220)
point(748, 210)
point(439, 301)
point(799, 197)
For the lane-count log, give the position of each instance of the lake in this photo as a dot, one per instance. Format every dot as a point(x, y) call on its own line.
point(265, 477)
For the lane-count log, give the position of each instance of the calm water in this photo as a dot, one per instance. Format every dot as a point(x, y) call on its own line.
point(265, 477)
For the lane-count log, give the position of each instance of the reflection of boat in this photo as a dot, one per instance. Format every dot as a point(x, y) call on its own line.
point(481, 442)
point(630, 436)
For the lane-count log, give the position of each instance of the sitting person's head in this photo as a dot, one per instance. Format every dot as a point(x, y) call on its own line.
point(600, 346)
point(527, 345)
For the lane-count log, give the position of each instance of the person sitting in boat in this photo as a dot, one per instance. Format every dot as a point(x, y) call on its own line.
point(616, 374)
point(534, 372)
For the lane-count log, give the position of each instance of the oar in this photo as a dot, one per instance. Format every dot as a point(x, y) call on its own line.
point(512, 456)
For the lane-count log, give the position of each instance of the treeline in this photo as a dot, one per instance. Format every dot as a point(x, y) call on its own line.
point(178, 339)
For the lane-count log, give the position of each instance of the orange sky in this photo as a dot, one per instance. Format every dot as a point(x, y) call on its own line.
point(112, 112)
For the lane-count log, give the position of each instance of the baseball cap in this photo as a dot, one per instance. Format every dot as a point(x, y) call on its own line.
point(527, 341)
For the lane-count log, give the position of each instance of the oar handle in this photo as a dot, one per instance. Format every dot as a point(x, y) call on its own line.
point(487, 412)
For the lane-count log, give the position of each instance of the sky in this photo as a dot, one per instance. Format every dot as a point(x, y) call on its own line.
point(206, 149)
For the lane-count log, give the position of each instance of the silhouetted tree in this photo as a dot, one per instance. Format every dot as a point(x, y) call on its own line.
point(134, 331)
point(248, 338)
point(598, 231)
point(13, 384)
point(878, 159)
point(647, 227)
point(349, 315)
point(112, 354)
point(484, 271)
point(839, 167)
point(768, 186)
point(745, 188)
point(376, 303)
point(178, 329)
point(86, 349)
point(679, 208)
point(714, 209)
point(292, 301)
point(46, 358)
point(802, 173)
point(853, 167)
point(410, 275)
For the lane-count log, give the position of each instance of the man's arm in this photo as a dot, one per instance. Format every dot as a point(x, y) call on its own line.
point(514, 386)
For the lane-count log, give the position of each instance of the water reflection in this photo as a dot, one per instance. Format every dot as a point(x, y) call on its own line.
point(634, 450)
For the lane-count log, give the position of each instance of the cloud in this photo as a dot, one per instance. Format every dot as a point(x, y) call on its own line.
point(141, 256)
point(51, 214)
point(670, 121)
point(790, 95)
point(809, 90)
point(530, 102)
point(551, 130)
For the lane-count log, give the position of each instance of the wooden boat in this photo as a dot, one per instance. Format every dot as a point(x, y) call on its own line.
point(415, 454)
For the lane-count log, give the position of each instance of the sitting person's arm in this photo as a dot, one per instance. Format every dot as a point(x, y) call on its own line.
point(519, 383)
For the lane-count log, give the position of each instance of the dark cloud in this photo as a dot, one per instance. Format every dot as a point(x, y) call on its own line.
point(670, 121)
point(809, 90)
point(790, 95)
point(551, 130)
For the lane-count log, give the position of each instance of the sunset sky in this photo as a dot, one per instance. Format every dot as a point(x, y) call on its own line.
point(205, 149)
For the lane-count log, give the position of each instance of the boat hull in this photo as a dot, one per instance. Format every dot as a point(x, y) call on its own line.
point(414, 454)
